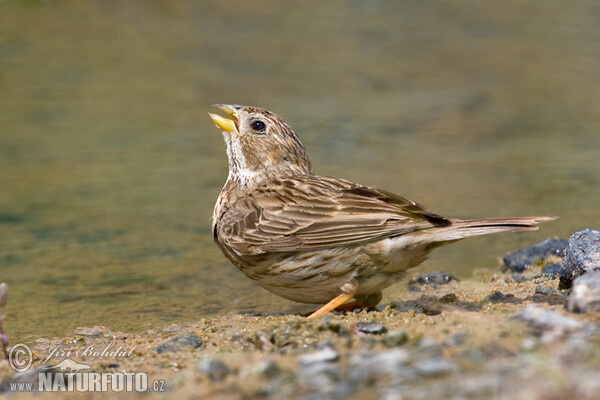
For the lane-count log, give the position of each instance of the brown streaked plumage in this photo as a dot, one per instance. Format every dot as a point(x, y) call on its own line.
point(315, 239)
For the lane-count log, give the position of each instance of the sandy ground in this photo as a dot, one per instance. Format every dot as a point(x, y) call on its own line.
point(459, 340)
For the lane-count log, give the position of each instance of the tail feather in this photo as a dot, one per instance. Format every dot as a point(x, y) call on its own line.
point(460, 229)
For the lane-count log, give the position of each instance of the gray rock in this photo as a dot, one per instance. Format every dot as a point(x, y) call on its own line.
point(179, 342)
point(371, 328)
point(585, 294)
point(551, 269)
point(321, 376)
point(216, 370)
point(583, 255)
point(547, 291)
point(435, 367)
point(395, 338)
point(368, 368)
point(519, 260)
point(548, 324)
point(325, 355)
point(433, 278)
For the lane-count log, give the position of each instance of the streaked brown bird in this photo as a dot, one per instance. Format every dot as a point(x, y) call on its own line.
point(315, 239)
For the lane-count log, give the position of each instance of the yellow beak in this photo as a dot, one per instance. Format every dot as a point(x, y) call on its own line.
point(228, 125)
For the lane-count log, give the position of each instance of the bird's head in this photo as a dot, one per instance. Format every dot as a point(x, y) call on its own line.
point(260, 145)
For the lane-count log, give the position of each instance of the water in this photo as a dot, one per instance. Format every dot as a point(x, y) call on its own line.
point(110, 166)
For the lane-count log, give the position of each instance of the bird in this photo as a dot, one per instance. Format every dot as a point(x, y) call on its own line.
point(315, 239)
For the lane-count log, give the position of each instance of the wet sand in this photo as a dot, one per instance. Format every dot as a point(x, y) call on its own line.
point(458, 340)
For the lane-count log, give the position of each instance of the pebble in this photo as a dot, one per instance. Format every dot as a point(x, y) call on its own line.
point(433, 278)
point(548, 291)
point(179, 342)
point(499, 297)
point(585, 293)
point(551, 269)
point(325, 355)
point(548, 324)
point(395, 339)
point(216, 370)
point(320, 376)
point(583, 255)
point(367, 367)
point(372, 328)
point(519, 260)
point(268, 369)
point(435, 367)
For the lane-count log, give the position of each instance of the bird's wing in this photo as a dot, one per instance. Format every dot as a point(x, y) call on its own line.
point(314, 212)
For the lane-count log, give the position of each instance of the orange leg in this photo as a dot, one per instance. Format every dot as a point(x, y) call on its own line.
point(332, 305)
point(351, 305)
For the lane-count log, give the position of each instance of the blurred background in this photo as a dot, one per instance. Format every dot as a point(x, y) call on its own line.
point(110, 166)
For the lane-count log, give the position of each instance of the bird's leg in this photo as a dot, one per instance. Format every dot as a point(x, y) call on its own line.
point(351, 305)
point(332, 305)
point(363, 301)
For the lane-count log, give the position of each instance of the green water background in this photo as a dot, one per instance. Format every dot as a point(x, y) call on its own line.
point(109, 165)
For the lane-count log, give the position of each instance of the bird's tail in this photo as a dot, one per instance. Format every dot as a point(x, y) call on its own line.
point(460, 229)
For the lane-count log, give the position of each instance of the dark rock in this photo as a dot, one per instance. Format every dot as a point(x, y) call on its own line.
point(519, 260)
point(585, 294)
point(327, 323)
point(583, 255)
point(548, 324)
point(394, 339)
point(371, 328)
point(499, 297)
point(179, 342)
point(327, 354)
point(216, 370)
point(433, 278)
point(551, 269)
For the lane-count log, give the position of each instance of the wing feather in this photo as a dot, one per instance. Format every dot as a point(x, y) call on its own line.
point(314, 212)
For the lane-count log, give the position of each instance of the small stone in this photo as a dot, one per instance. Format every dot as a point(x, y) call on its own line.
point(548, 324)
point(519, 260)
point(583, 255)
point(321, 376)
point(216, 370)
point(267, 369)
point(179, 342)
point(435, 367)
point(547, 291)
point(327, 323)
point(551, 269)
point(94, 331)
point(585, 293)
point(328, 354)
point(499, 297)
point(367, 368)
point(395, 339)
point(372, 328)
point(529, 344)
point(433, 278)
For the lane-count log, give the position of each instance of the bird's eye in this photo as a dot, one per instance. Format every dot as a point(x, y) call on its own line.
point(258, 126)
